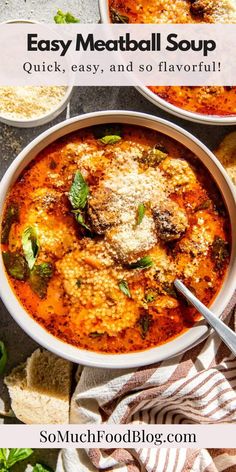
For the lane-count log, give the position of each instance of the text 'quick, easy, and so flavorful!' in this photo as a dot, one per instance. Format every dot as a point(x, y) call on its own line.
point(97, 228)
point(207, 100)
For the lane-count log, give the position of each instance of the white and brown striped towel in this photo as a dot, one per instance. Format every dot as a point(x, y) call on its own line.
point(196, 387)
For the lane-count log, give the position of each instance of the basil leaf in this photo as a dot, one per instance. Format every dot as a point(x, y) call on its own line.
point(17, 455)
point(15, 265)
point(110, 139)
point(154, 156)
point(116, 17)
point(3, 357)
point(149, 297)
point(80, 219)
point(78, 283)
point(39, 278)
point(203, 206)
point(30, 245)
point(11, 216)
point(145, 321)
point(95, 335)
point(62, 18)
point(124, 287)
point(41, 468)
point(143, 263)
point(141, 213)
point(220, 252)
point(78, 193)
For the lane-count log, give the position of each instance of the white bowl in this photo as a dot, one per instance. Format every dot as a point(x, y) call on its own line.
point(46, 117)
point(163, 104)
point(179, 344)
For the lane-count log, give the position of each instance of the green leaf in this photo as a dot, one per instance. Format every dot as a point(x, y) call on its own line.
point(154, 156)
point(95, 335)
point(80, 219)
point(143, 263)
point(17, 455)
point(78, 193)
point(124, 287)
point(16, 265)
point(116, 17)
point(30, 245)
point(3, 456)
point(145, 321)
point(11, 216)
point(203, 206)
point(78, 283)
point(62, 18)
point(220, 252)
point(170, 290)
point(149, 297)
point(39, 278)
point(141, 213)
point(41, 468)
point(110, 139)
point(3, 357)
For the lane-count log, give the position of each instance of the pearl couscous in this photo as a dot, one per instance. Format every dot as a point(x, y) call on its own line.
point(97, 228)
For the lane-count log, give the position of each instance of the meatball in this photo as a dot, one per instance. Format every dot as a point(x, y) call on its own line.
point(170, 220)
point(101, 211)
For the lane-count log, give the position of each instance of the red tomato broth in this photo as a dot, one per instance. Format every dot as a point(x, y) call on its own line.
point(206, 100)
point(69, 315)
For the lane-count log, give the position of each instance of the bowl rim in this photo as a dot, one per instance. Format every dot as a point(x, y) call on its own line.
point(163, 104)
point(130, 360)
point(46, 117)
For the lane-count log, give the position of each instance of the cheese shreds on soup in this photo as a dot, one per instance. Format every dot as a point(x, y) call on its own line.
point(100, 224)
point(216, 101)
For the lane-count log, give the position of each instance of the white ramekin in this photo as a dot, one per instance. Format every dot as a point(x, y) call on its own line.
point(163, 104)
point(179, 344)
point(46, 117)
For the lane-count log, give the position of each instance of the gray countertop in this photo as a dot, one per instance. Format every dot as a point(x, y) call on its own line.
point(83, 100)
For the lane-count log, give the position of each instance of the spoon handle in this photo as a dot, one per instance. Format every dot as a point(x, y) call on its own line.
point(226, 334)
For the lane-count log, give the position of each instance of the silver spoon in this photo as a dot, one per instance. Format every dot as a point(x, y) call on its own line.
point(226, 334)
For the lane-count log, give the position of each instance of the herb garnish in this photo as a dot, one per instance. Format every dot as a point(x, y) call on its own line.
point(78, 196)
point(62, 18)
point(80, 219)
point(154, 156)
point(41, 468)
point(12, 216)
point(110, 139)
point(16, 265)
point(124, 287)
point(203, 206)
point(141, 213)
point(3, 357)
point(30, 245)
point(95, 335)
point(220, 252)
point(145, 321)
point(39, 278)
point(150, 296)
point(9, 457)
point(170, 290)
point(143, 263)
point(116, 17)
point(78, 193)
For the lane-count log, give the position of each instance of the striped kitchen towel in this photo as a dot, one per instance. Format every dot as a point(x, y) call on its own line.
point(198, 386)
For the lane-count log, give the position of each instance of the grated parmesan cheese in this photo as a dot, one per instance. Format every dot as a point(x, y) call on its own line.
point(29, 102)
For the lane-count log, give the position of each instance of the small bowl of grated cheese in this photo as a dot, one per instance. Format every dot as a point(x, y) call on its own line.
point(29, 106)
